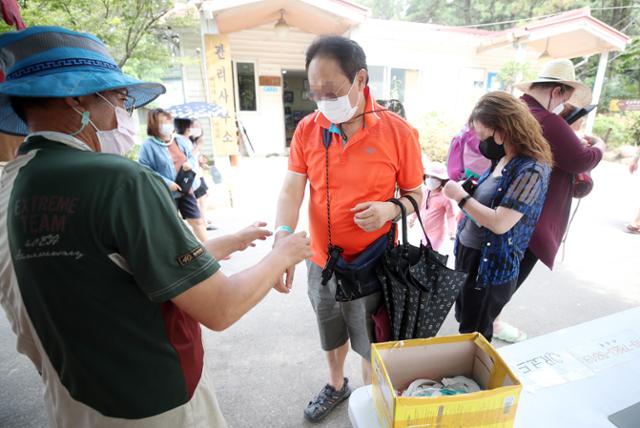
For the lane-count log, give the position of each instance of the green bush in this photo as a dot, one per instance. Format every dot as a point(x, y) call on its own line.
point(435, 135)
point(625, 128)
point(134, 152)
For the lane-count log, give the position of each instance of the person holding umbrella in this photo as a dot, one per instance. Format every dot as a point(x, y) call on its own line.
point(502, 213)
point(353, 153)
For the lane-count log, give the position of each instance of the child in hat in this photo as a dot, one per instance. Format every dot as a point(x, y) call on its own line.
point(437, 211)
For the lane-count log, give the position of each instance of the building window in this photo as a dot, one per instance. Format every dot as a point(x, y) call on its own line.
point(398, 83)
point(246, 78)
point(376, 81)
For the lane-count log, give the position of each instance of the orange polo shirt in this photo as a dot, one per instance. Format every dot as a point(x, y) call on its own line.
point(383, 153)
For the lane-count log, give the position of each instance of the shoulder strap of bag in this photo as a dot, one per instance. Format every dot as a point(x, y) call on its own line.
point(416, 209)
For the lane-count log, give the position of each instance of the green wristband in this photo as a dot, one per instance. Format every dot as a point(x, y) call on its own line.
point(284, 228)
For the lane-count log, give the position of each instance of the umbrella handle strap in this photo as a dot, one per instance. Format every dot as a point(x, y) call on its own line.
point(416, 210)
point(403, 211)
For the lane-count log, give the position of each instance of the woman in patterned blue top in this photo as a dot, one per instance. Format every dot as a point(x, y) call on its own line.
point(502, 213)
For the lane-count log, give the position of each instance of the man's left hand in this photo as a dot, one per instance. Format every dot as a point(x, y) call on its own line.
point(371, 216)
point(246, 237)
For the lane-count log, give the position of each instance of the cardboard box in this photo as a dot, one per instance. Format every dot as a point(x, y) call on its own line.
point(397, 364)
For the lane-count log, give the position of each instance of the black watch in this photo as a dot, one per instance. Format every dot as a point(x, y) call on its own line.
point(463, 201)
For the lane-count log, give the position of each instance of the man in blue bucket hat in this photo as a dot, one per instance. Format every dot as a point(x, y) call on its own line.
point(102, 283)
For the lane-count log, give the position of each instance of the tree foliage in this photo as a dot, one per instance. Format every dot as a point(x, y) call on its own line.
point(623, 75)
point(134, 30)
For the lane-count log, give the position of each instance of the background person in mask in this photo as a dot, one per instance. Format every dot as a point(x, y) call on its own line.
point(545, 96)
point(464, 159)
point(370, 152)
point(500, 217)
point(102, 283)
point(166, 154)
point(188, 131)
point(437, 211)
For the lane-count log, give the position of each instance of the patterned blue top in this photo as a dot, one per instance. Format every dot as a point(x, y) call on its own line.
point(523, 188)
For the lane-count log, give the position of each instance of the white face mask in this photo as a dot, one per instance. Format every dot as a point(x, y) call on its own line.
point(558, 109)
point(166, 129)
point(433, 183)
point(116, 141)
point(338, 110)
point(195, 132)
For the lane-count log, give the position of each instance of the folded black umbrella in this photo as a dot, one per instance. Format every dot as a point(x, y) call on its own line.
point(418, 286)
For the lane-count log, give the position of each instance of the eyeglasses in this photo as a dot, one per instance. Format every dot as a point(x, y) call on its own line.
point(128, 101)
point(327, 96)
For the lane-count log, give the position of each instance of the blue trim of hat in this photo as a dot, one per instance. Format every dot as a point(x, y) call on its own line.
point(57, 64)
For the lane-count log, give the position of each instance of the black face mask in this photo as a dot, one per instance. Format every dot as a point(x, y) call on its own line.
point(491, 150)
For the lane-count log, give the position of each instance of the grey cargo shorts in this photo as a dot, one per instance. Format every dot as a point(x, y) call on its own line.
point(341, 321)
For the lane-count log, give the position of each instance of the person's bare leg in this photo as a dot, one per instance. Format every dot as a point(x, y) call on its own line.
point(366, 372)
point(199, 228)
point(636, 223)
point(336, 359)
point(202, 205)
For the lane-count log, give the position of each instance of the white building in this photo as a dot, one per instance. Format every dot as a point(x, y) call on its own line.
point(428, 67)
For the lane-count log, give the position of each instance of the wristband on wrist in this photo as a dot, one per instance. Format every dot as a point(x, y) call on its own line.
point(463, 201)
point(284, 228)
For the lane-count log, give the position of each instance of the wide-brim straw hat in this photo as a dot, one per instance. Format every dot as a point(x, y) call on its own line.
point(563, 72)
point(53, 62)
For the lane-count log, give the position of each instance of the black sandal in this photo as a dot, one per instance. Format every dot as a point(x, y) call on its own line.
point(326, 401)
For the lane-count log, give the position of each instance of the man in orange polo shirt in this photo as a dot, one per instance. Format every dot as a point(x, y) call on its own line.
point(370, 151)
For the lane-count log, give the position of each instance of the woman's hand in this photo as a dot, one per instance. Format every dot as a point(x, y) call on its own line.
point(174, 187)
point(186, 167)
point(453, 190)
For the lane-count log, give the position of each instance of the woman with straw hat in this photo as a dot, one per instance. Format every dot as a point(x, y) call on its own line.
point(546, 96)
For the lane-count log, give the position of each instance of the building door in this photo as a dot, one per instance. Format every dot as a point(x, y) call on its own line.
point(295, 97)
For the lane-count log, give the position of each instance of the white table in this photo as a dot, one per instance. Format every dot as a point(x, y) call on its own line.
point(575, 377)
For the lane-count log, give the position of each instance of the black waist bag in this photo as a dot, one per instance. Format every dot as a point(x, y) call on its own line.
point(358, 278)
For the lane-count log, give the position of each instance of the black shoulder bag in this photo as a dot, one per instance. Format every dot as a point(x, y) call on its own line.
point(357, 278)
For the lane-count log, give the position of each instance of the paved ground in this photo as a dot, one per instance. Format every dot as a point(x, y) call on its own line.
point(268, 365)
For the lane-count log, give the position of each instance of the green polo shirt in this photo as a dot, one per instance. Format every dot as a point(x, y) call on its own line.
point(99, 252)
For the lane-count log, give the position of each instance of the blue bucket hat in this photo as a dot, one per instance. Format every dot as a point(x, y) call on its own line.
point(53, 62)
